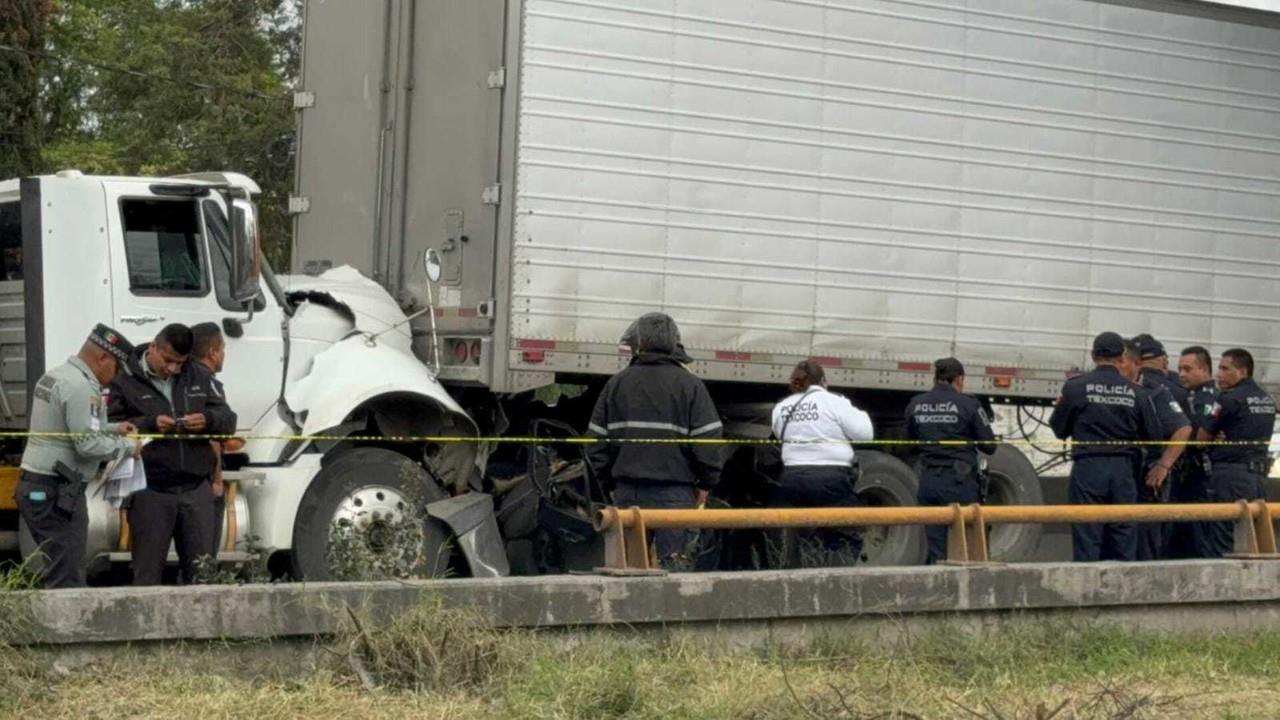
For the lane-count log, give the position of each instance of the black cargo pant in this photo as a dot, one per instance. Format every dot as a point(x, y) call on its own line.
point(219, 517)
point(181, 514)
point(1229, 482)
point(823, 486)
point(943, 483)
point(60, 536)
point(1189, 539)
point(671, 544)
point(1103, 480)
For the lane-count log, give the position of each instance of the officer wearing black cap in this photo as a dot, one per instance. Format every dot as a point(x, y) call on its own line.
point(1155, 365)
point(70, 439)
point(1243, 420)
point(1101, 411)
point(1154, 356)
point(948, 474)
point(1162, 465)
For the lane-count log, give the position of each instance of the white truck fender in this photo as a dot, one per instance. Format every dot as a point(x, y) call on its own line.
point(342, 378)
point(354, 371)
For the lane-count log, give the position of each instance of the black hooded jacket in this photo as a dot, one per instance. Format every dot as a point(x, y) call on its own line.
point(178, 461)
point(656, 399)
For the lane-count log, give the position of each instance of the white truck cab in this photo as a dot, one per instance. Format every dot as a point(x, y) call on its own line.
point(324, 356)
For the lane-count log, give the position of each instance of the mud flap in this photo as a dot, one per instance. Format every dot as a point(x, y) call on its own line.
point(470, 517)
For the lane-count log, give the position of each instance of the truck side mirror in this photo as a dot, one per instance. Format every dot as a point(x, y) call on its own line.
point(432, 264)
point(246, 263)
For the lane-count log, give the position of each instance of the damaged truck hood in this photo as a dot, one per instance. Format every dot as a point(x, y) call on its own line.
point(358, 368)
point(372, 309)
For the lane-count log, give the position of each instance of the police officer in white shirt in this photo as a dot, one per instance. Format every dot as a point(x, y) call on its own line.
point(816, 427)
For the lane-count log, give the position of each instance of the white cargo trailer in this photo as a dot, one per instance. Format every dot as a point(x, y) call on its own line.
point(874, 183)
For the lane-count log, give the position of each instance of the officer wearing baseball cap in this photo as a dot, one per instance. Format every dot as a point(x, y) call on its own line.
point(1100, 411)
point(1162, 466)
point(70, 439)
point(1154, 356)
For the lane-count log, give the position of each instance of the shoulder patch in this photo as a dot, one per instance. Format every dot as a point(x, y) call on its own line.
point(44, 388)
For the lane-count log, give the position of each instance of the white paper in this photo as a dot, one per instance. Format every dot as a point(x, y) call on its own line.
point(123, 469)
point(124, 479)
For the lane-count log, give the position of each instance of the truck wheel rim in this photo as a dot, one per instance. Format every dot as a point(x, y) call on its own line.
point(373, 509)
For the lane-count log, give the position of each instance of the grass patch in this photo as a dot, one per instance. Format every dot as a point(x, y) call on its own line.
point(22, 679)
point(438, 663)
point(428, 649)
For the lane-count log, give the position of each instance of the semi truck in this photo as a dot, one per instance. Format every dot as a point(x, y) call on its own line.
point(874, 184)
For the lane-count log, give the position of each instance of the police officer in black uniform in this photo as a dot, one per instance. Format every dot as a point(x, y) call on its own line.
point(948, 474)
point(1101, 410)
point(1244, 414)
point(1195, 373)
point(1155, 364)
point(1162, 466)
point(164, 394)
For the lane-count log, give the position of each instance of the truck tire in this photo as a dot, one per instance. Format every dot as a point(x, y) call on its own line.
point(886, 481)
point(1012, 480)
point(366, 484)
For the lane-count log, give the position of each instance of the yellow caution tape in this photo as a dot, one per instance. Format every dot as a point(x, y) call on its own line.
point(596, 440)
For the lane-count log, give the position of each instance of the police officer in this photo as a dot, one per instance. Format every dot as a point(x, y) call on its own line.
point(67, 404)
point(165, 394)
point(1195, 373)
point(948, 474)
point(1155, 365)
point(815, 427)
point(657, 398)
point(1244, 414)
point(209, 348)
point(1101, 410)
point(1162, 464)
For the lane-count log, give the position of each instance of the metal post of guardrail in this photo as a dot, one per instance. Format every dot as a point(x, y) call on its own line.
point(967, 536)
point(1255, 536)
point(626, 543)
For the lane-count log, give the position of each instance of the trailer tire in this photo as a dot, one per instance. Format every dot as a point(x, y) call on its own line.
point(886, 481)
point(1012, 480)
point(365, 483)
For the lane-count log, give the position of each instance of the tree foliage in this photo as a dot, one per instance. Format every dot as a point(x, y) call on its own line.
point(160, 87)
point(22, 30)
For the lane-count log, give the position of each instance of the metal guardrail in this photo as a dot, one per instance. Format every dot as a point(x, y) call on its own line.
point(627, 542)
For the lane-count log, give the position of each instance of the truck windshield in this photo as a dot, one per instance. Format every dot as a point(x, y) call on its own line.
point(215, 222)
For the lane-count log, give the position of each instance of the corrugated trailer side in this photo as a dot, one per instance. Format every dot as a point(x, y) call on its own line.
point(882, 183)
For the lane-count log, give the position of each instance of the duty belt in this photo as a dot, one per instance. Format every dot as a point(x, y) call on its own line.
point(178, 488)
point(1256, 467)
point(41, 478)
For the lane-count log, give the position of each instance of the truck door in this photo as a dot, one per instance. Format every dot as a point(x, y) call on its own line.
point(170, 262)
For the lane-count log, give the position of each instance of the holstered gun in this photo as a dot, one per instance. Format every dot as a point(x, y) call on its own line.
point(70, 490)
